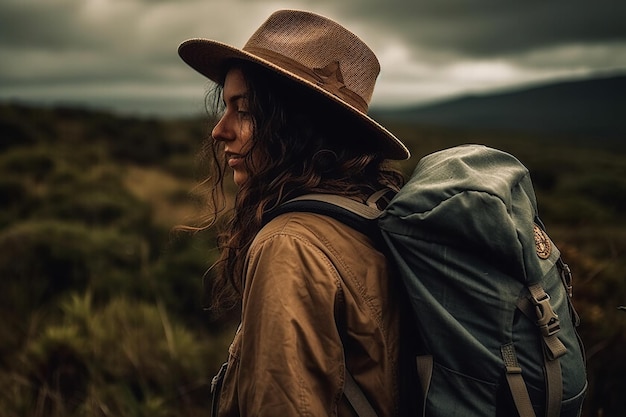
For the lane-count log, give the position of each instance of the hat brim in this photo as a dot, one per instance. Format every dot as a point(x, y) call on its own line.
point(209, 58)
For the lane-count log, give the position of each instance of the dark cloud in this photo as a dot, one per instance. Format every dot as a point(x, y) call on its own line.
point(488, 28)
point(428, 49)
point(44, 25)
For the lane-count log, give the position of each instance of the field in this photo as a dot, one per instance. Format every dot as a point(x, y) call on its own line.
point(102, 303)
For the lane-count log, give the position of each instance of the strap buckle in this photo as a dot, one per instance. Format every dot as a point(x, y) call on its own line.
point(547, 319)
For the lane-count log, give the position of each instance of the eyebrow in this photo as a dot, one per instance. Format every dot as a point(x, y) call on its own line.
point(237, 97)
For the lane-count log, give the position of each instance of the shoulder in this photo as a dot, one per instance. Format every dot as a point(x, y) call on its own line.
point(322, 240)
point(311, 228)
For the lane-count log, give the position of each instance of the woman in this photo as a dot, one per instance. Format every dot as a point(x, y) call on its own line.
point(317, 301)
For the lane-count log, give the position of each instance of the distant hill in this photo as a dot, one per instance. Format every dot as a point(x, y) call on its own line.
point(595, 108)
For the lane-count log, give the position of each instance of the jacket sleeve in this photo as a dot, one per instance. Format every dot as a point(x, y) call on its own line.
point(291, 357)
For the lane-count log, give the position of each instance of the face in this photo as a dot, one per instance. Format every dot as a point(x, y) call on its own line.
point(235, 126)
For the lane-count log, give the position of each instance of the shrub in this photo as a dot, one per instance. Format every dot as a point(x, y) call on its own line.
point(34, 163)
point(42, 260)
point(126, 357)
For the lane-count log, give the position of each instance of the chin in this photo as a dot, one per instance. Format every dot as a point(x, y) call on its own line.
point(239, 179)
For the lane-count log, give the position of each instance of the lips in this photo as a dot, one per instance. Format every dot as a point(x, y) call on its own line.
point(233, 159)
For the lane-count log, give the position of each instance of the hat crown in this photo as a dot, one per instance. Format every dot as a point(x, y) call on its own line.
point(321, 51)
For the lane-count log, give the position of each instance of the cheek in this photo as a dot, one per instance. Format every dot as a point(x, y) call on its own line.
point(245, 134)
point(247, 130)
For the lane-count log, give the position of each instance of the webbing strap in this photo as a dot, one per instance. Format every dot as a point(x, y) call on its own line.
point(356, 207)
point(356, 398)
point(216, 389)
point(516, 383)
point(555, 348)
point(554, 386)
point(425, 365)
point(538, 308)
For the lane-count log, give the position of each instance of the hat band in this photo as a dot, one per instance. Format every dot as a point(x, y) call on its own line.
point(328, 78)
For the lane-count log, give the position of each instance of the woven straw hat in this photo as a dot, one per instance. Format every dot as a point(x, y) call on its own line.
point(313, 51)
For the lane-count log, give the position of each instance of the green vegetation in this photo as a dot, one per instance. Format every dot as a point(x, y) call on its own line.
point(102, 304)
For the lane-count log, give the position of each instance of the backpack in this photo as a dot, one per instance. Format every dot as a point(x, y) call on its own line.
point(489, 293)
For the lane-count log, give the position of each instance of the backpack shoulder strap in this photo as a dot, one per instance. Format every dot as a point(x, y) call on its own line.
point(368, 211)
point(359, 216)
point(357, 398)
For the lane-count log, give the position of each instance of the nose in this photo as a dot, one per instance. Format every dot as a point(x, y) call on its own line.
point(221, 132)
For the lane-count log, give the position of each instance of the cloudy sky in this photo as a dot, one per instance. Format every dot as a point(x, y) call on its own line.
point(121, 54)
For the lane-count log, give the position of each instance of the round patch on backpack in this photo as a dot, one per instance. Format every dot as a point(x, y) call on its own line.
point(542, 243)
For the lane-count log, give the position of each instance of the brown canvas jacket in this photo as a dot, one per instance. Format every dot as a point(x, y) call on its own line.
point(307, 275)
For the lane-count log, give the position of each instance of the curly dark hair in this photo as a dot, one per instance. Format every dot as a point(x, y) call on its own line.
point(301, 144)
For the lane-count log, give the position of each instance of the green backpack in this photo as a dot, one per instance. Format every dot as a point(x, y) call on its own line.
point(490, 295)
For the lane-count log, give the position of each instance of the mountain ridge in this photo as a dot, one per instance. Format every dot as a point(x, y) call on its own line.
point(592, 107)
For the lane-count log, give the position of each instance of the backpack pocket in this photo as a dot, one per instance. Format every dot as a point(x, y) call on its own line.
point(472, 397)
point(572, 407)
